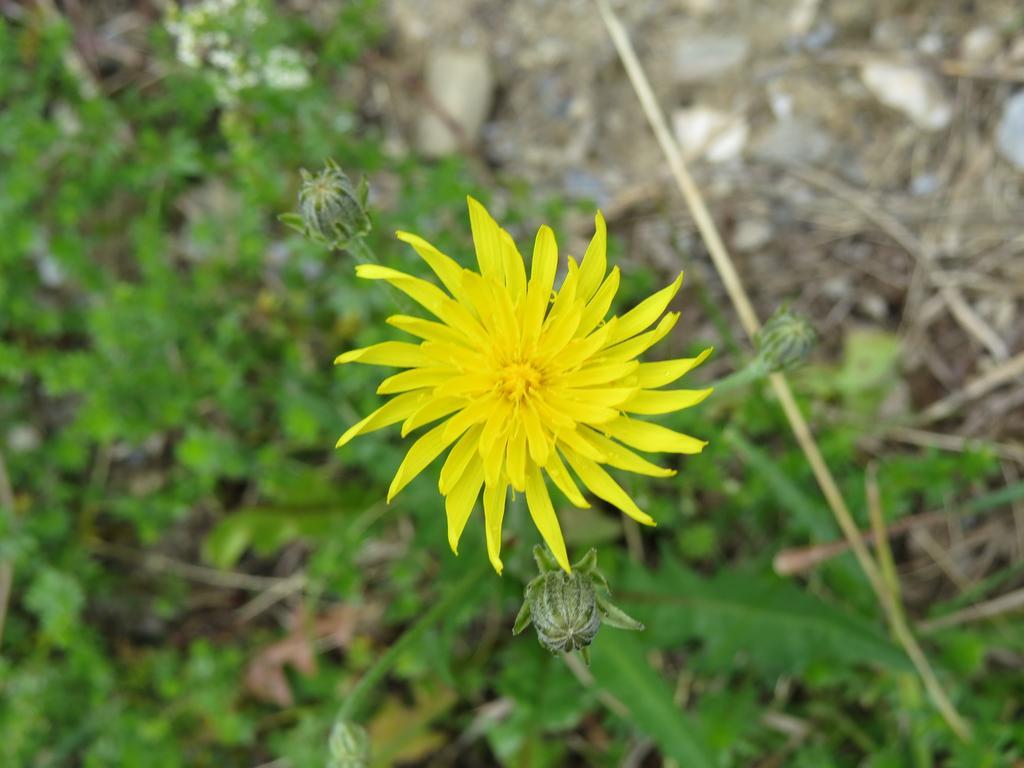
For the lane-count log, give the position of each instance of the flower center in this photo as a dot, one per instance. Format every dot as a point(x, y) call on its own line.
point(517, 380)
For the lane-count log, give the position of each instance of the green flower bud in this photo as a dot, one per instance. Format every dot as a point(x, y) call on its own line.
point(785, 341)
point(567, 609)
point(349, 746)
point(565, 612)
point(333, 210)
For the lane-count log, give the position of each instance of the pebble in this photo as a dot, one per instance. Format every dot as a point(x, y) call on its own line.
point(794, 140)
point(1010, 131)
point(461, 84)
point(751, 235)
point(910, 90)
point(980, 44)
point(23, 438)
point(710, 133)
point(706, 56)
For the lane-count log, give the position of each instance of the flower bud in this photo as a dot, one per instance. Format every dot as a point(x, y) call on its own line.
point(565, 612)
point(333, 210)
point(349, 745)
point(567, 609)
point(785, 341)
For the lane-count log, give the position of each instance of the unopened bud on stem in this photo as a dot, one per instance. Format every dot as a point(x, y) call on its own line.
point(567, 609)
point(785, 341)
point(332, 208)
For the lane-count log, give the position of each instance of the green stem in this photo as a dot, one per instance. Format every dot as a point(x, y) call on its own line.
point(357, 698)
point(751, 372)
point(360, 251)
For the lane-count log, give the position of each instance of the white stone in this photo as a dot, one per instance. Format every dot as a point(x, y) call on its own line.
point(912, 91)
point(981, 44)
point(710, 133)
point(1010, 131)
point(23, 438)
point(794, 140)
point(460, 84)
point(705, 56)
point(751, 235)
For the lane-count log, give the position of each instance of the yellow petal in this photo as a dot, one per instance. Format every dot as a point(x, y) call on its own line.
point(494, 460)
point(468, 386)
point(392, 412)
point(557, 335)
point(486, 240)
point(474, 413)
point(651, 375)
point(664, 401)
point(476, 293)
point(428, 295)
point(595, 260)
point(571, 439)
point(496, 426)
point(445, 353)
point(397, 354)
point(536, 437)
point(429, 329)
point(552, 418)
point(580, 350)
point(423, 451)
point(627, 350)
point(515, 461)
point(459, 457)
point(515, 270)
point(494, 511)
point(445, 267)
point(600, 374)
point(651, 437)
point(458, 505)
point(579, 410)
point(620, 457)
point(597, 308)
point(417, 378)
point(566, 297)
point(608, 397)
point(604, 487)
point(432, 410)
point(543, 514)
point(644, 313)
point(563, 480)
point(542, 279)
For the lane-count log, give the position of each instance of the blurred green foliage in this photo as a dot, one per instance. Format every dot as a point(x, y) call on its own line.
point(166, 390)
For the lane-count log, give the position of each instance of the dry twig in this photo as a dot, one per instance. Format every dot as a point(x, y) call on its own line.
point(1012, 601)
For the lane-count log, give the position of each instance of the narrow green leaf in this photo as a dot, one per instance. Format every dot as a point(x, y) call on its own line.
point(756, 615)
point(620, 668)
point(813, 516)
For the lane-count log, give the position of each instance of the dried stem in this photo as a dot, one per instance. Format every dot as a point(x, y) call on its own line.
point(748, 318)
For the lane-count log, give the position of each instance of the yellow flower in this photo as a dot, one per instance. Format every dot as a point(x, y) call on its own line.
point(524, 377)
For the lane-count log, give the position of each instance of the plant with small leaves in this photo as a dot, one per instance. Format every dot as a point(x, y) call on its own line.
point(332, 210)
point(568, 608)
point(785, 341)
point(349, 745)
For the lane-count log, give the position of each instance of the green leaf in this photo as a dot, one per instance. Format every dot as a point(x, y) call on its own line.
point(757, 616)
point(812, 515)
point(869, 357)
point(56, 599)
point(621, 670)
